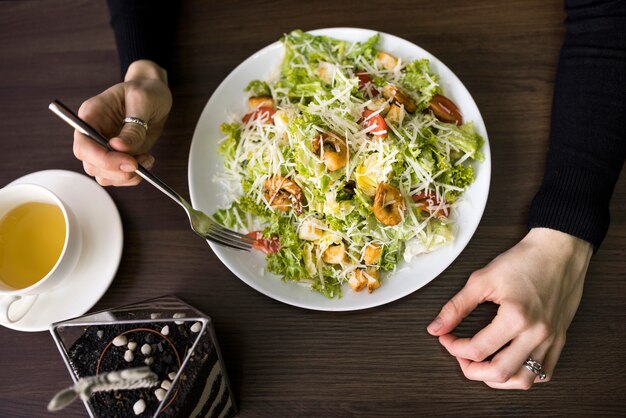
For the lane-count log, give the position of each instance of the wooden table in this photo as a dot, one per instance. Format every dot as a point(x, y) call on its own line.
point(286, 361)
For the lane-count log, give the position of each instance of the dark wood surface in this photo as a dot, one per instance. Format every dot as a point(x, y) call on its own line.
point(282, 360)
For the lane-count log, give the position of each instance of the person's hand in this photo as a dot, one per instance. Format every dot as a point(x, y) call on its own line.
point(143, 94)
point(538, 284)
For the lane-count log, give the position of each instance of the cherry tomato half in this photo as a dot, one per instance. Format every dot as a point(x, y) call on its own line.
point(262, 113)
point(377, 120)
point(266, 245)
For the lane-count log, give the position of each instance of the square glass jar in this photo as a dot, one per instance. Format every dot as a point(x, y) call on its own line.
point(174, 339)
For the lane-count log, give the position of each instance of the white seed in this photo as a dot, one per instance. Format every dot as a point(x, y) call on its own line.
point(155, 315)
point(148, 361)
point(120, 340)
point(132, 345)
point(146, 349)
point(129, 356)
point(179, 315)
point(165, 330)
point(100, 333)
point(196, 327)
point(139, 407)
point(166, 384)
point(171, 375)
point(160, 394)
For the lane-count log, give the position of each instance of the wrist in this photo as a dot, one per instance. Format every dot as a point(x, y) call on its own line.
point(145, 70)
point(559, 244)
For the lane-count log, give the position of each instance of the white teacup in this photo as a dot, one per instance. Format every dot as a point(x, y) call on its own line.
point(15, 303)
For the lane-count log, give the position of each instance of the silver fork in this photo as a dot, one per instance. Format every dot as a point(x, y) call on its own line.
point(201, 224)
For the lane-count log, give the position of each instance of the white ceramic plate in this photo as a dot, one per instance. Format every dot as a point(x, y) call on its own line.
point(102, 241)
point(204, 163)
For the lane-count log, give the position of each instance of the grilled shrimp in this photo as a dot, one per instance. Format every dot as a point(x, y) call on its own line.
point(389, 204)
point(335, 150)
point(282, 194)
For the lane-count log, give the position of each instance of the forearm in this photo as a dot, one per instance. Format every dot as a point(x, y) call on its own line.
point(587, 140)
point(143, 30)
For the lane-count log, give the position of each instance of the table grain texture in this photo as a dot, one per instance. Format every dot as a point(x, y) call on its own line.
point(285, 361)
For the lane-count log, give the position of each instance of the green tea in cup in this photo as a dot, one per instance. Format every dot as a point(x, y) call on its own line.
point(32, 236)
point(40, 243)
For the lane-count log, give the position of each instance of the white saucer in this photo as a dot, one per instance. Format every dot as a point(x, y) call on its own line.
point(102, 237)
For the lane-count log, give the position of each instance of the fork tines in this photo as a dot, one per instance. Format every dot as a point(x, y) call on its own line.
point(224, 236)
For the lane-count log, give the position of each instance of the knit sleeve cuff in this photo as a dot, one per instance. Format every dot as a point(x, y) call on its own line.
point(142, 34)
point(575, 201)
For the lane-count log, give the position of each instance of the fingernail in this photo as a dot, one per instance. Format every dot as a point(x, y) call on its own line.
point(435, 325)
point(127, 168)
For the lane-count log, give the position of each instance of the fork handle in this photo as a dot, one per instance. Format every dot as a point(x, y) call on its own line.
point(80, 125)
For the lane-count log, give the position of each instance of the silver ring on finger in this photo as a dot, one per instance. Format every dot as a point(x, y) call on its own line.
point(535, 367)
point(138, 121)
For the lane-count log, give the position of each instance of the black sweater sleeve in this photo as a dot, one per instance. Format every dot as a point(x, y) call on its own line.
point(143, 30)
point(588, 134)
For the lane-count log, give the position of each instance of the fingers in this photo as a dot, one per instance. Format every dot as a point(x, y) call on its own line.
point(132, 137)
point(458, 307)
point(506, 364)
point(118, 178)
point(486, 342)
point(523, 379)
point(117, 167)
point(105, 113)
point(551, 359)
point(88, 151)
point(101, 112)
point(507, 370)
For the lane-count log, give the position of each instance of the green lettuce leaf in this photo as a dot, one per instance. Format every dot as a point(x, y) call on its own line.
point(467, 140)
point(392, 254)
point(367, 49)
point(230, 217)
point(288, 263)
point(228, 146)
point(419, 81)
point(330, 288)
point(258, 88)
